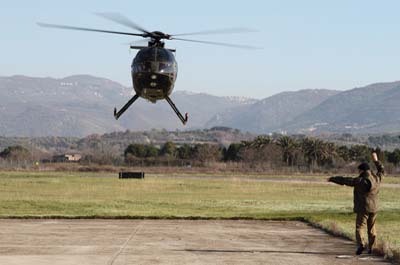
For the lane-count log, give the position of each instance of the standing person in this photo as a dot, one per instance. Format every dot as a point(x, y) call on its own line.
point(366, 189)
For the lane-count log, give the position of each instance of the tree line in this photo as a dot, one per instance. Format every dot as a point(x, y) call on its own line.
point(264, 152)
point(284, 151)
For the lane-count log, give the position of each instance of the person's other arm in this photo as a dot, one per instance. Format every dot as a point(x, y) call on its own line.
point(348, 181)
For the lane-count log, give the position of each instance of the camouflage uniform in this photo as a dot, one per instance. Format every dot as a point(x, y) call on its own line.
point(366, 189)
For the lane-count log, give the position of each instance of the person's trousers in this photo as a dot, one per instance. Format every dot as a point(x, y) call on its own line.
point(368, 219)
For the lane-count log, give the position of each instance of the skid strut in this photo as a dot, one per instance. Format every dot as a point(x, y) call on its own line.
point(171, 103)
point(125, 107)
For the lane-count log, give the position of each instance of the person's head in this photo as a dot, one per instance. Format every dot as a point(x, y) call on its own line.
point(363, 167)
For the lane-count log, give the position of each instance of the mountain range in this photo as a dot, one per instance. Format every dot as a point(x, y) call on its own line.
point(272, 113)
point(81, 105)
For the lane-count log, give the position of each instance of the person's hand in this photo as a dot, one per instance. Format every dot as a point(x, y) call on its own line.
point(374, 157)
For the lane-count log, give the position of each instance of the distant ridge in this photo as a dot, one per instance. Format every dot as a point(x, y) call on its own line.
point(272, 113)
point(372, 109)
point(81, 105)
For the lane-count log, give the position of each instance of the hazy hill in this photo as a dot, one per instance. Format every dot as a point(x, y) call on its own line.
point(371, 109)
point(270, 114)
point(201, 107)
point(77, 105)
point(82, 105)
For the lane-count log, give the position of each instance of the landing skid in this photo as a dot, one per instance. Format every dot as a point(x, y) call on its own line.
point(125, 107)
point(135, 97)
point(171, 103)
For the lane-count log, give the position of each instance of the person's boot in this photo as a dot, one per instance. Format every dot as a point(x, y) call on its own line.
point(360, 250)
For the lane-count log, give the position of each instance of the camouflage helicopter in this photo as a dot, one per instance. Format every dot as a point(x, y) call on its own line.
point(154, 69)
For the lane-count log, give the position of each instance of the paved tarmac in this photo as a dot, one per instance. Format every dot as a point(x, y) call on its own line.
point(121, 242)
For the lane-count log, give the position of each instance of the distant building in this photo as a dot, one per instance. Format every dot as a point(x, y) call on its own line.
point(67, 158)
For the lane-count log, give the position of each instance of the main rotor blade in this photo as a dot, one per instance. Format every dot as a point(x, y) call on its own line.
point(221, 44)
point(120, 19)
point(218, 31)
point(88, 29)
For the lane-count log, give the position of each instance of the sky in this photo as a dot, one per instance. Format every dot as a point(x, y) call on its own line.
point(338, 44)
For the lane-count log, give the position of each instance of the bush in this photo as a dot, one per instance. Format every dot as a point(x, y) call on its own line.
point(207, 153)
point(168, 149)
point(232, 153)
point(15, 153)
point(141, 151)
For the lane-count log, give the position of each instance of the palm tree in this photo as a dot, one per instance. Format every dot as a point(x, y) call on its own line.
point(261, 141)
point(315, 151)
point(288, 146)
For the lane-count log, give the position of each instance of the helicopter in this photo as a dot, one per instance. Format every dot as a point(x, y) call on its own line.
point(154, 69)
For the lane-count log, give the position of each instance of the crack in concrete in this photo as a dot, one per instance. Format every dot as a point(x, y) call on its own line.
point(121, 249)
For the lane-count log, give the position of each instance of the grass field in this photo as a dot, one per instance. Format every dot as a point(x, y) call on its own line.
point(61, 194)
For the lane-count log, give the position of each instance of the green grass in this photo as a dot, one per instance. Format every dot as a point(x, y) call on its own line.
point(57, 194)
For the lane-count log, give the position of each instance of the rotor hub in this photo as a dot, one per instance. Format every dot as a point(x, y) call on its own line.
point(158, 35)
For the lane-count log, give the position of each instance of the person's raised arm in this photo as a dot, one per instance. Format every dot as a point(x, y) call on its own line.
point(379, 167)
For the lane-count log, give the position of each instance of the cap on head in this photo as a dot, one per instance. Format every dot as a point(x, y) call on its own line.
point(364, 166)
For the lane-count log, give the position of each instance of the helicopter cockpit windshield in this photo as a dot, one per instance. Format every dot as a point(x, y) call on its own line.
point(154, 67)
point(166, 67)
point(143, 67)
point(154, 60)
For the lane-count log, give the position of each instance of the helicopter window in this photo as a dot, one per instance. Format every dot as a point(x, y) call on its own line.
point(166, 68)
point(142, 67)
point(147, 67)
point(135, 68)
